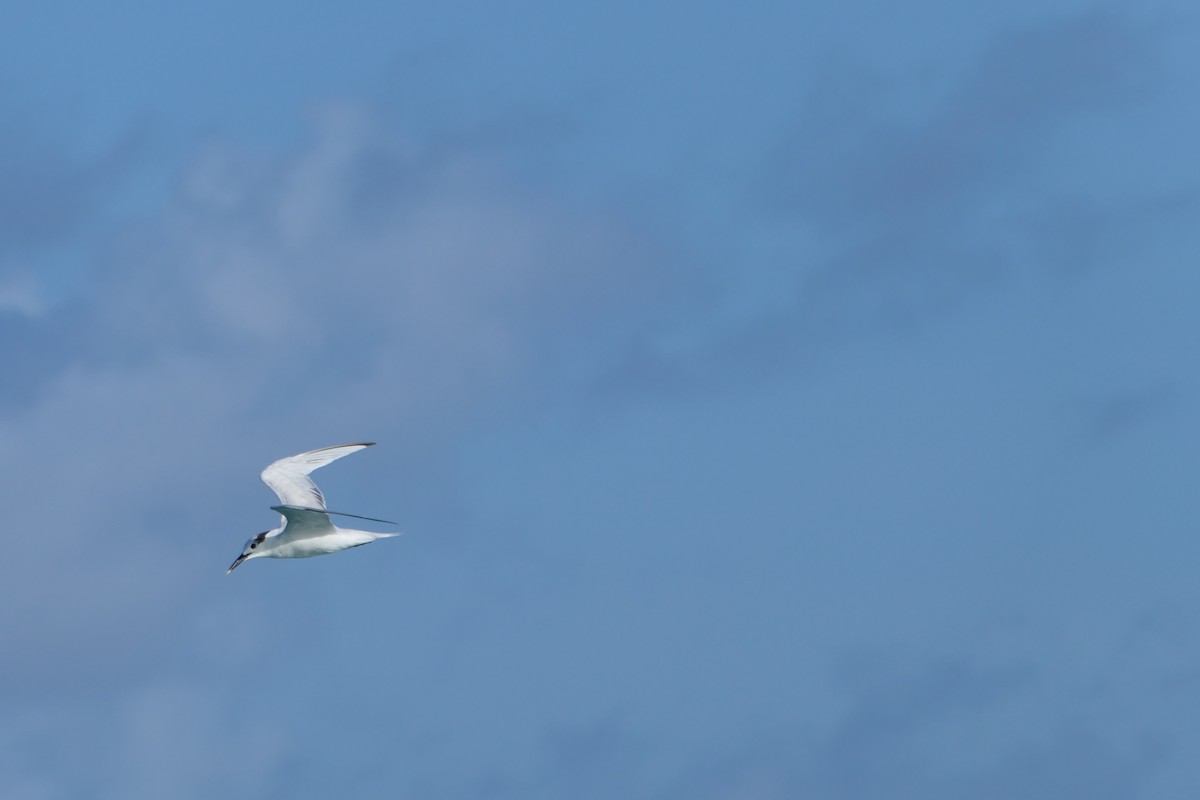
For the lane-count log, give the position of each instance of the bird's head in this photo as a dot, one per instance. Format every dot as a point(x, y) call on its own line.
point(250, 550)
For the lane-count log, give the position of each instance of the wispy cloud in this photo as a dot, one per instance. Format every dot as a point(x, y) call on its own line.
point(657, 482)
point(19, 294)
point(318, 294)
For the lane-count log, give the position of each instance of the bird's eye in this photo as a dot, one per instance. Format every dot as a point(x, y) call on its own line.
point(253, 545)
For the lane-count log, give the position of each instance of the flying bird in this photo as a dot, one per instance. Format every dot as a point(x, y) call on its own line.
point(305, 529)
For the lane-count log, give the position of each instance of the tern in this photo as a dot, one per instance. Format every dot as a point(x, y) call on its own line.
point(305, 529)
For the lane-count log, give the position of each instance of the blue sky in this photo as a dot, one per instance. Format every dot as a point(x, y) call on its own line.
point(778, 401)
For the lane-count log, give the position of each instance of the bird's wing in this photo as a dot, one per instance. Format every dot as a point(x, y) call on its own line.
point(288, 477)
point(303, 523)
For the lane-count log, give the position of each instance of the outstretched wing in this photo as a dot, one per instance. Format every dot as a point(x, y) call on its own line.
point(288, 477)
point(327, 512)
point(303, 523)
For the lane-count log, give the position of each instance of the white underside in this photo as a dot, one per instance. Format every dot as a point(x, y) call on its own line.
point(339, 539)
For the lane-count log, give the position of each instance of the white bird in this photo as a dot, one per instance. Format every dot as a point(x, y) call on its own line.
point(305, 529)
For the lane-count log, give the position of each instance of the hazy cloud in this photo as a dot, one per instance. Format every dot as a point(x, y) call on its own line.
point(878, 487)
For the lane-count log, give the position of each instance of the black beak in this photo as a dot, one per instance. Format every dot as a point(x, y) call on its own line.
point(233, 566)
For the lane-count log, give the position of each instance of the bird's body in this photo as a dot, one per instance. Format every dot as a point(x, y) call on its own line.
point(339, 539)
point(306, 530)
